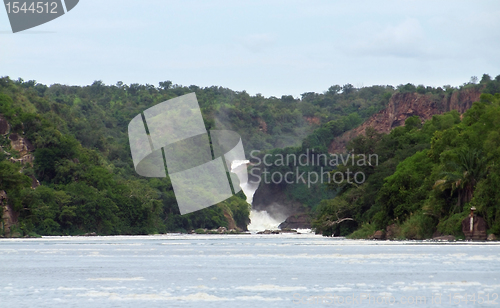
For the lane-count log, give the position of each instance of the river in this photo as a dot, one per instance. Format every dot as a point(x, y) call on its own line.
point(286, 270)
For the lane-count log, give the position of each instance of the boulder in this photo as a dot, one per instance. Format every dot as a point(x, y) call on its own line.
point(392, 231)
point(269, 232)
point(264, 232)
point(300, 221)
point(492, 237)
point(378, 235)
point(288, 230)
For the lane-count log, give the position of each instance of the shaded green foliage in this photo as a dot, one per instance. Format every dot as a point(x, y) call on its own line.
point(429, 175)
point(83, 161)
point(83, 157)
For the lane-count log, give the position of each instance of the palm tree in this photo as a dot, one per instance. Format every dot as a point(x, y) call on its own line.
point(465, 174)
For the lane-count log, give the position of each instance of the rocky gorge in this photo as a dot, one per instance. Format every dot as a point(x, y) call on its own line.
point(275, 199)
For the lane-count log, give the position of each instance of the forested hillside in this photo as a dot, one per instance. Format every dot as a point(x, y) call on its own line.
point(303, 195)
point(428, 178)
point(65, 163)
point(66, 167)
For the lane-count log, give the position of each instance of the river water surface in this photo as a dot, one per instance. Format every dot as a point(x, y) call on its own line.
point(245, 271)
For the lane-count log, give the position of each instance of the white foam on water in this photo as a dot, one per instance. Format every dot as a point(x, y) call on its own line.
point(258, 298)
point(117, 279)
point(97, 294)
point(198, 297)
point(71, 289)
point(261, 220)
point(270, 287)
point(165, 296)
point(338, 289)
point(447, 283)
point(385, 294)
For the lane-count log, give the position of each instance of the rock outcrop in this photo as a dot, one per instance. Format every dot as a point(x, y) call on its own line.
point(262, 125)
point(273, 197)
point(20, 144)
point(4, 126)
point(24, 148)
point(378, 235)
point(392, 232)
point(25, 159)
point(301, 221)
point(230, 221)
point(313, 120)
point(9, 216)
point(404, 105)
point(34, 182)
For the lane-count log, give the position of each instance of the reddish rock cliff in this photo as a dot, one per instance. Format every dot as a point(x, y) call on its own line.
point(404, 105)
point(8, 218)
point(24, 147)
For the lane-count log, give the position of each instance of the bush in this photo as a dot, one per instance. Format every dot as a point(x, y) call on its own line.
point(453, 224)
point(418, 227)
point(364, 232)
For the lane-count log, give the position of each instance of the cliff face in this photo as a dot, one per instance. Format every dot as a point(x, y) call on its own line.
point(272, 198)
point(23, 146)
point(9, 216)
point(404, 105)
point(301, 221)
point(25, 149)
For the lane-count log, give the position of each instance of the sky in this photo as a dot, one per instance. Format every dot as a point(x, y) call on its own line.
point(270, 47)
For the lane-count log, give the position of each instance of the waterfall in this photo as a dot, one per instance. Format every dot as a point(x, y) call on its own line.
point(260, 220)
point(238, 167)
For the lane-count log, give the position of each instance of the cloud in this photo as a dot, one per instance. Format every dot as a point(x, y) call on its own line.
point(405, 40)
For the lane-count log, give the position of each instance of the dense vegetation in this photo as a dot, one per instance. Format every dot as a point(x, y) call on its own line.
point(82, 155)
point(428, 177)
point(315, 146)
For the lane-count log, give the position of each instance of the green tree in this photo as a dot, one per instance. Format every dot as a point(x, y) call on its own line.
point(464, 175)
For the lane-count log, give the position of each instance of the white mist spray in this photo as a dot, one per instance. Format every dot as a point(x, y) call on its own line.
point(260, 220)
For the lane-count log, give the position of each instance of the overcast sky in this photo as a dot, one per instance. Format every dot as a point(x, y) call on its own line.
point(268, 47)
